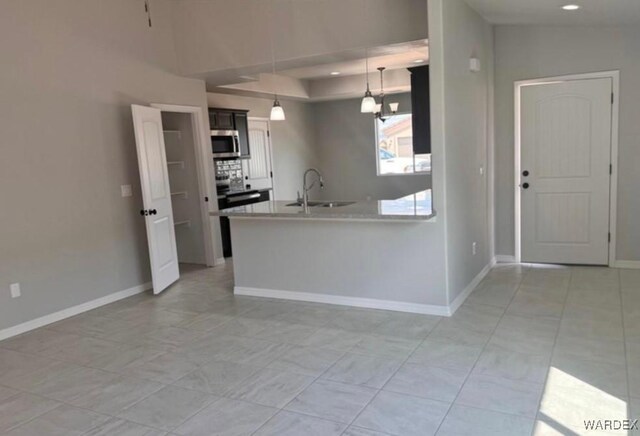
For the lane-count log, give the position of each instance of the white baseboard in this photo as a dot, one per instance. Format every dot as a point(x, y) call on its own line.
point(504, 258)
point(72, 311)
point(219, 261)
point(627, 264)
point(455, 304)
point(369, 303)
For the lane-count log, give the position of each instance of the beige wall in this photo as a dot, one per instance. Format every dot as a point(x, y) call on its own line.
point(70, 71)
point(528, 52)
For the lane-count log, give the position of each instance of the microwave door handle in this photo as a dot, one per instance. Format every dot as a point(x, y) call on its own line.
point(236, 144)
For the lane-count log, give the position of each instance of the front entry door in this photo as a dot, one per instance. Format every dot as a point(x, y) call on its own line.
point(156, 196)
point(565, 171)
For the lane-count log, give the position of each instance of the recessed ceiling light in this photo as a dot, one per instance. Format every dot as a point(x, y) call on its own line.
point(571, 7)
point(418, 61)
point(335, 73)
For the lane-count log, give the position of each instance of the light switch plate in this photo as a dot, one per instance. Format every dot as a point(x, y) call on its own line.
point(15, 290)
point(126, 190)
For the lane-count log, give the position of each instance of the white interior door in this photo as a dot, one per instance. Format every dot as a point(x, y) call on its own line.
point(565, 171)
point(156, 196)
point(258, 170)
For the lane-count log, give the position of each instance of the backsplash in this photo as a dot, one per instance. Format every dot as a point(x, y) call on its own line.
point(232, 168)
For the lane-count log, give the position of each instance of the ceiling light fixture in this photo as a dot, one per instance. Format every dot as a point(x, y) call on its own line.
point(335, 73)
point(379, 108)
point(368, 104)
point(571, 7)
point(277, 113)
point(418, 61)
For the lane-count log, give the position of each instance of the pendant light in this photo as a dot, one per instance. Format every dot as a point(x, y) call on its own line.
point(368, 104)
point(277, 113)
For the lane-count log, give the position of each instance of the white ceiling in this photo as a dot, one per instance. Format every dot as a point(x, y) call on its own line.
point(592, 12)
point(390, 57)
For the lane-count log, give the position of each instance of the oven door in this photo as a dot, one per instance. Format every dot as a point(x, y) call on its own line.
point(225, 143)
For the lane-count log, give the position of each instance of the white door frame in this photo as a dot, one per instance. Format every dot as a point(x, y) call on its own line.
point(613, 185)
point(268, 121)
point(203, 168)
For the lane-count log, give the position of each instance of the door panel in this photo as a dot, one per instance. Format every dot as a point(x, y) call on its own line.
point(257, 170)
point(156, 196)
point(565, 148)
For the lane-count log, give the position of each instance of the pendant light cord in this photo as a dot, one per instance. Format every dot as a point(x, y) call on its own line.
point(273, 55)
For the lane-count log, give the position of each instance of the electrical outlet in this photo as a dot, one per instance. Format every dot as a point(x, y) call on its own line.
point(474, 248)
point(15, 290)
point(126, 190)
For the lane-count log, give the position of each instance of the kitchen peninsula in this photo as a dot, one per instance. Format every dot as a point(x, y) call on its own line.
point(375, 254)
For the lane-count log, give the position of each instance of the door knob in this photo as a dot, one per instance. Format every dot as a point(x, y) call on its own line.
point(525, 185)
point(525, 173)
point(153, 212)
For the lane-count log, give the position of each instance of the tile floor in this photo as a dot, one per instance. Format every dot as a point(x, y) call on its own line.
point(533, 350)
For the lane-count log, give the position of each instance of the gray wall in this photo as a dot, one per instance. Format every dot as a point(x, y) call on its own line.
point(461, 121)
point(70, 70)
point(302, 29)
point(346, 140)
point(292, 140)
point(528, 52)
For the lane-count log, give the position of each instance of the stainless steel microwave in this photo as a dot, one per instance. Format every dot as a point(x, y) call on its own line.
point(225, 143)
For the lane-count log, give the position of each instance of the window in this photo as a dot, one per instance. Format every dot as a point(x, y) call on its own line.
point(394, 146)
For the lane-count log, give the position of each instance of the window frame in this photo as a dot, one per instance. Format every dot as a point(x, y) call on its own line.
point(377, 153)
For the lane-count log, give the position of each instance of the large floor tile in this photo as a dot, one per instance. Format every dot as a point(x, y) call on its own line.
point(228, 418)
point(470, 421)
point(74, 384)
point(427, 382)
point(407, 326)
point(62, 421)
point(166, 368)
point(585, 348)
point(293, 424)
point(308, 361)
point(21, 408)
point(501, 395)
point(480, 318)
point(116, 395)
point(497, 362)
point(167, 408)
point(270, 387)
point(359, 431)
point(402, 415)
point(573, 372)
point(446, 354)
point(339, 340)
point(121, 427)
point(331, 400)
point(533, 335)
point(357, 369)
point(217, 377)
point(376, 345)
point(530, 304)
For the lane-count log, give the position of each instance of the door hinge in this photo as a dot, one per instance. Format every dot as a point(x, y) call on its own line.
point(610, 168)
point(206, 199)
point(271, 174)
point(612, 97)
point(609, 236)
point(268, 133)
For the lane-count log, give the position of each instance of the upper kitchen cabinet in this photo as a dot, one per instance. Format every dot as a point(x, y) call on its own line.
point(232, 119)
point(420, 109)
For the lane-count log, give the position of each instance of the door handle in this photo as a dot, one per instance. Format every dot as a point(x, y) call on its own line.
point(525, 186)
point(153, 212)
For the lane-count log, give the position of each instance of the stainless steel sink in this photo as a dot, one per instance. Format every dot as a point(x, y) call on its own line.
point(323, 203)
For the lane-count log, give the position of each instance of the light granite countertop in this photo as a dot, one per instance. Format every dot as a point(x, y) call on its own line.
point(415, 207)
